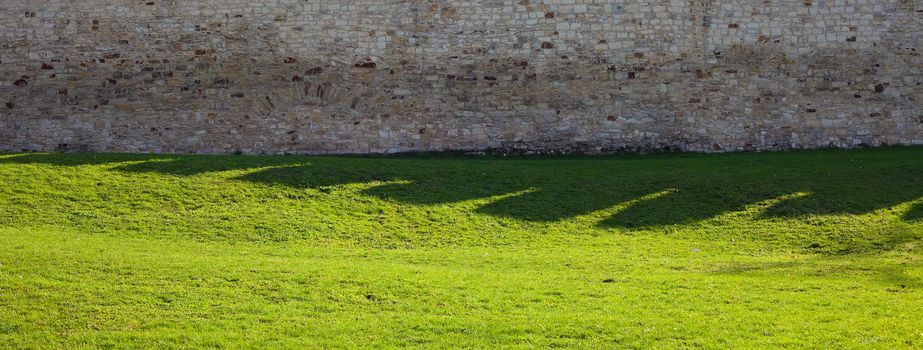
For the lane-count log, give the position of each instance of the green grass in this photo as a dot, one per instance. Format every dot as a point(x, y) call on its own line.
point(816, 249)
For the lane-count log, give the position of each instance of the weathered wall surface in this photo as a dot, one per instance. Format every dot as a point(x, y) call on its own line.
point(329, 76)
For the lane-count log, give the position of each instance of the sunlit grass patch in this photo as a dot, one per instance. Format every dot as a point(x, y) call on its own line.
point(799, 249)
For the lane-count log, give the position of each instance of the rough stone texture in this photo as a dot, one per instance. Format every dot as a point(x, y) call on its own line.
point(308, 76)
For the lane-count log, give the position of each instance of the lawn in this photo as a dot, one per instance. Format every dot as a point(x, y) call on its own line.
point(810, 249)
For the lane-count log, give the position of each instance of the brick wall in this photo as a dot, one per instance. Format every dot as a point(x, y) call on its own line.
point(287, 76)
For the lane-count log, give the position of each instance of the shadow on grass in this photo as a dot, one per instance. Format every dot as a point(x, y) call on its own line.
point(695, 187)
point(915, 213)
point(891, 273)
point(65, 159)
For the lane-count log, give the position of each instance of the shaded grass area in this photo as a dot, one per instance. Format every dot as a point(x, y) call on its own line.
point(814, 248)
point(419, 201)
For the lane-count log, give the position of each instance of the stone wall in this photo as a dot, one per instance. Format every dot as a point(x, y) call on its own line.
point(363, 76)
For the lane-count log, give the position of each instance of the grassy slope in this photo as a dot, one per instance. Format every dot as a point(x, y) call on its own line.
point(818, 248)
